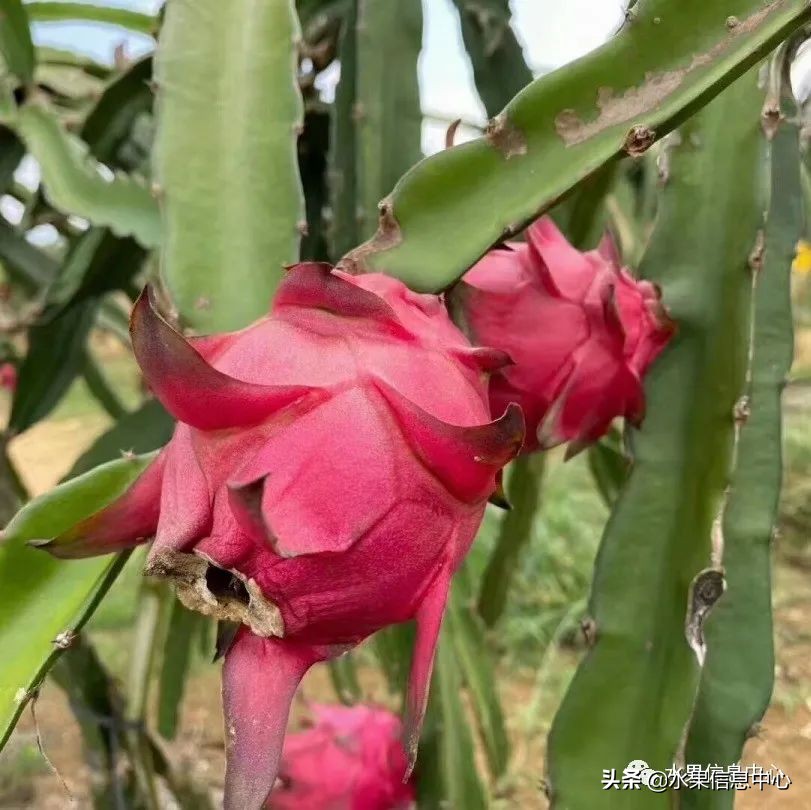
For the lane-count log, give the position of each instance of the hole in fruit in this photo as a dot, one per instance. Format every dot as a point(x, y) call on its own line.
point(213, 591)
point(225, 585)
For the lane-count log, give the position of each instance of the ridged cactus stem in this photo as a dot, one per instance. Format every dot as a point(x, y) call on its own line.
point(343, 181)
point(448, 210)
point(387, 107)
point(737, 680)
point(515, 532)
point(227, 178)
point(656, 575)
point(499, 69)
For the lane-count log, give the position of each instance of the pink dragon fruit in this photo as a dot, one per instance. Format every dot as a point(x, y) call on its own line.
point(350, 759)
point(580, 329)
point(329, 471)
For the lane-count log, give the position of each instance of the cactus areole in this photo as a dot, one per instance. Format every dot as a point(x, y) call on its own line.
point(580, 329)
point(329, 470)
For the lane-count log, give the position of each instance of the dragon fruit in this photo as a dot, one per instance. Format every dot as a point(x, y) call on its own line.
point(582, 333)
point(329, 470)
point(351, 758)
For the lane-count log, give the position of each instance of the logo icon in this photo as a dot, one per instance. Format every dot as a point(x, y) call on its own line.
point(637, 772)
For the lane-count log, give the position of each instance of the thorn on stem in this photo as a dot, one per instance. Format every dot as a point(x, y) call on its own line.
point(639, 139)
point(770, 118)
point(754, 730)
point(588, 627)
point(450, 134)
point(742, 410)
point(756, 256)
point(64, 640)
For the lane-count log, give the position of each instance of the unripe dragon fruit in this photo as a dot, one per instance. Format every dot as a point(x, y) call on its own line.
point(329, 470)
point(580, 329)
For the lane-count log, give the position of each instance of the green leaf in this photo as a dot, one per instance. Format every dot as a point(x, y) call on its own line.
point(51, 514)
point(68, 58)
point(74, 183)
point(515, 532)
point(13, 493)
point(467, 633)
point(43, 597)
point(630, 206)
point(67, 87)
point(101, 389)
point(609, 465)
point(393, 648)
point(177, 654)
point(226, 156)
point(56, 354)
point(11, 153)
point(145, 429)
point(344, 676)
point(25, 264)
point(582, 215)
point(499, 69)
point(736, 683)
point(115, 319)
point(109, 124)
point(343, 169)
point(86, 12)
point(16, 48)
point(153, 601)
point(656, 574)
point(97, 264)
point(448, 210)
point(446, 775)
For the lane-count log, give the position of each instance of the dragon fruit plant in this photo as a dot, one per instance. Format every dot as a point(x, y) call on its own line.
point(342, 347)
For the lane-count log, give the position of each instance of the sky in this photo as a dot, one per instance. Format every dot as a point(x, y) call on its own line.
point(551, 32)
